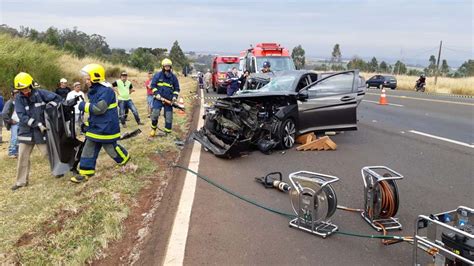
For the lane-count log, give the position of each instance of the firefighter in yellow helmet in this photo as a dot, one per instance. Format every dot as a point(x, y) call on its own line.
point(165, 87)
point(30, 104)
point(103, 128)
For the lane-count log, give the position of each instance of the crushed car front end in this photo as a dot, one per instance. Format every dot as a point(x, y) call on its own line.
point(234, 124)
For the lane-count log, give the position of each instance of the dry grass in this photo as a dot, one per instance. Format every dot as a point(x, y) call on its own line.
point(54, 221)
point(71, 66)
point(462, 86)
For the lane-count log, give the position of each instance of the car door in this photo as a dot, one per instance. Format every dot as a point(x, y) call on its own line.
point(372, 81)
point(329, 103)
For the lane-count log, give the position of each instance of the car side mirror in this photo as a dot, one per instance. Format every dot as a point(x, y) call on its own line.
point(302, 95)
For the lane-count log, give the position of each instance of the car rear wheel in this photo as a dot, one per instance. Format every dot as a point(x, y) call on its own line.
point(367, 85)
point(287, 134)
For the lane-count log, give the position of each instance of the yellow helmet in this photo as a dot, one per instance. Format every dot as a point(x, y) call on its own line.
point(95, 71)
point(166, 62)
point(22, 81)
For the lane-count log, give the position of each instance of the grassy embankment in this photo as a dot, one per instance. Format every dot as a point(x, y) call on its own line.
point(461, 86)
point(53, 221)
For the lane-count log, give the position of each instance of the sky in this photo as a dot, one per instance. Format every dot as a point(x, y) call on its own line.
point(406, 30)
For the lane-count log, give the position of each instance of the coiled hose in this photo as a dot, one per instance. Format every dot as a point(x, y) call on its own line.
point(288, 215)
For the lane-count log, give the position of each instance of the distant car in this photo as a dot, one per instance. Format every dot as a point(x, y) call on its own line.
point(382, 81)
point(290, 104)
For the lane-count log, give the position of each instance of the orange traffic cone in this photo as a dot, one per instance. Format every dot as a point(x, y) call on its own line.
point(383, 98)
point(181, 103)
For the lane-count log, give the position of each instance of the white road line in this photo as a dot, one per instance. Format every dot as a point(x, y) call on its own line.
point(394, 104)
point(179, 234)
point(441, 138)
point(423, 99)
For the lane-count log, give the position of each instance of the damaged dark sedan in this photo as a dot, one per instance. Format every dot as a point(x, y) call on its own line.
point(290, 104)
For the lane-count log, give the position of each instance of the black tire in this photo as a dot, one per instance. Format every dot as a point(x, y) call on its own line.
point(367, 85)
point(287, 134)
point(393, 88)
point(380, 86)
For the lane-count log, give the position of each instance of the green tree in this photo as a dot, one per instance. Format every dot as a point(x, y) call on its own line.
point(445, 68)
point(322, 67)
point(159, 53)
point(298, 55)
point(384, 68)
point(357, 63)
point(336, 54)
point(414, 72)
point(466, 69)
point(4, 28)
point(52, 37)
point(399, 68)
point(142, 58)
point(373, 65)
point(119, 56)
point(177, 56)
point(430, 70)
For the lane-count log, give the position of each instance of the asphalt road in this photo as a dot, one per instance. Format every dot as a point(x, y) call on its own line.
point(438, 176)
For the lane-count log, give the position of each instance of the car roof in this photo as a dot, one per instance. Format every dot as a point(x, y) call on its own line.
point(297, 73)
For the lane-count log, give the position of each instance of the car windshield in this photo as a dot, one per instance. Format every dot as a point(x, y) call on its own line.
point(223, 67)
point(278, 84)
point(277, 63)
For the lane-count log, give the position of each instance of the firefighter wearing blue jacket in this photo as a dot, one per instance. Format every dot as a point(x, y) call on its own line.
point(29, 106)
point(233, 81)
point(103, 128)
point(165, 87)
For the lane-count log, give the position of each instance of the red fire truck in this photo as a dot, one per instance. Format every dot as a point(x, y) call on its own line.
point(253, 58)
point(220, 66)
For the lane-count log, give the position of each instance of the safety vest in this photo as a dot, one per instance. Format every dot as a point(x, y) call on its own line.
point(123, 90)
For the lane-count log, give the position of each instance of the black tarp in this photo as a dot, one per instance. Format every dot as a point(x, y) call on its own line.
point(63, 146)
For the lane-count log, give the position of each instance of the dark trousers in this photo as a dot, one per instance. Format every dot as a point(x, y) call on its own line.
point(124, 106)
point(90, 153)
point(155, 114)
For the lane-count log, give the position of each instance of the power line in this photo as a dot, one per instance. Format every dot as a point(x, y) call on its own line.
point(457, 50)
point(423, 52)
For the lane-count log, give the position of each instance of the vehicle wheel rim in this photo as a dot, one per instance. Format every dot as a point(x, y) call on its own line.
point(289, 138)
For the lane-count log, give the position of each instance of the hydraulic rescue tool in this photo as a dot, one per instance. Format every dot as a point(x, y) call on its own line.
point(381, 197)
point(168, 102)
point(273, 180)
point(314, 201)
point(447, 236)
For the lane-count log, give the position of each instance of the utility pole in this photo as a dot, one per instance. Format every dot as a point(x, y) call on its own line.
point(437, 63)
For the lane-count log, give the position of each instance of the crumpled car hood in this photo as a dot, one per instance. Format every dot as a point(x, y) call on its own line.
point(236, 123)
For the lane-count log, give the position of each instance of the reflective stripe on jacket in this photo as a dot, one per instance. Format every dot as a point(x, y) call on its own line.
point(30, 111)
point(103, 126)
point(166, 85)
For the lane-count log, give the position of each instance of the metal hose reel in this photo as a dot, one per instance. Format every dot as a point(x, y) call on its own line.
point(314, 202)
point(381, 197)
